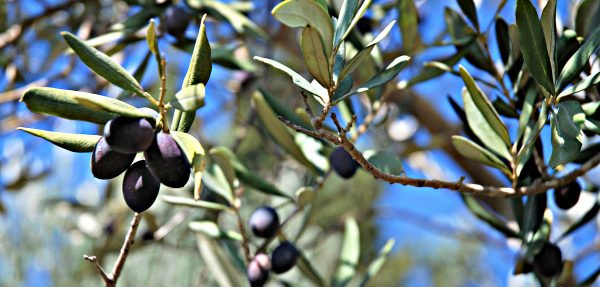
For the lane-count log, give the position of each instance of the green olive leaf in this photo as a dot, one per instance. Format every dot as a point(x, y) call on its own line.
point(212, 230)
point(376, 265)
point(315, 56)
point(184, 201)
point(533, 44)
point(302, 13)
point(102, 64)
point(78, 105)
point(189, 98)
point(70, 142)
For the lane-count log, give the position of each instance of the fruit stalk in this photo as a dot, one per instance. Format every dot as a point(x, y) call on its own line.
point(163, 90)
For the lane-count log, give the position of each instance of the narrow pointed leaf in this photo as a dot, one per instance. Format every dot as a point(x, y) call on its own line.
point(577, 62)
point(376, 265)
point(409, 24)
point(526, 110)
point(586, 19)
point(347, 12)
point(309, 271)
point(361, 11)
point(548, 22)
point(315, 57)
point(151, 39)
point(488, 217)
point(471, 150)
point(503, 39)
point(484, 105)
point(198, 72)
point(365, 53)
point(533, 44)
point(279, 131)
point(587, 82)
point(70, 142)
point(184, 201)
point(102, 64)
point(484, 130)
point(349, 255)
point(240, 23)
point(469, 9)
point(212, 230)
point(386, 161)
point(388, 74)
point(78, 105)
point(296, 78)
point(189, 98)
point(246, 175)
point(300, 13)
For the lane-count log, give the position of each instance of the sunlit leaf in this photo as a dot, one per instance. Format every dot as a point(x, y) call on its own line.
point(471, 150)
point(347, 12)
point(566, 128)
point(78, 105)
point(300, 13)
point(189, 98)
point(388, 74)
point(548, 22)
point(587, 82)
point(212, 230)
point(102, 64)
point(184, 201)
point(296, 78)
point(70, 142)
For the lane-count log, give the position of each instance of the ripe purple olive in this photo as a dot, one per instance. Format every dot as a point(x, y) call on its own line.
point(343, 163)
point(129, 135)
point(258, 270)
point(264, 222)
point(548, 261)
point(108, 163)
point(176, 20)
point(140, 187)
point(167, 161)
point(567, 196)
point(284, 257)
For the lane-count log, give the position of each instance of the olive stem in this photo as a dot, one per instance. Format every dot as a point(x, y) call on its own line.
point(110, 280)
point(538, 186)
point(163, 90)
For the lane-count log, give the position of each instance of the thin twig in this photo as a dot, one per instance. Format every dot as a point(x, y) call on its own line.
point(161, 98)
point(536, 187)
point(110, 280)
point(245, 242)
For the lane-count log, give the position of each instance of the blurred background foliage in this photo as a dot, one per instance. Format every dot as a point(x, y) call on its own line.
point(54, 211)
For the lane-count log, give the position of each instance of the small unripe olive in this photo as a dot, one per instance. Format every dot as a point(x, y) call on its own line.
point(284, 257)
point(548, 261)
point(343, 163)
point(264, 222)
point(107, 163)
point(167, 161)
point(140, 187)
point(567, 196)
point(129, 135)
point(258, 270)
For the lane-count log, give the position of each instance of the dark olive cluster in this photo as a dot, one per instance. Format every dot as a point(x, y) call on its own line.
point(264, 223)
point(567, 196)
point(164, 161)
point(343, 163)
